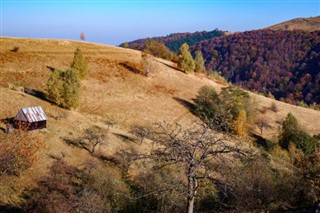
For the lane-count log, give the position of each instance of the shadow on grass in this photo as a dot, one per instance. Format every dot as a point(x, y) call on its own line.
point(52, 69)
point(262, 142)
point(10, 124)
point(188, 105)
point(172, 67)
point(124, 138)
point(38, 94)
point(77, 143)
point(15, 49)
point(6, 208)
point(131, 68)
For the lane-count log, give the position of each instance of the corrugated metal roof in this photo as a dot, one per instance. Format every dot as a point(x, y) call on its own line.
point(31, 114)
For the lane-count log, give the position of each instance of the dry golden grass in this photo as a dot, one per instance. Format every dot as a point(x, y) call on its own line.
point(111, 92)
point(306, 24)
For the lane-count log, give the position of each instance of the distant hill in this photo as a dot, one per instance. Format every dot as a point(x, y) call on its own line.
point(285, 63)
point(174, 41)
point(307, 24)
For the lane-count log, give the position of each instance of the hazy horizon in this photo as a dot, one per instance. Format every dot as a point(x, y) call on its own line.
point(114, 22)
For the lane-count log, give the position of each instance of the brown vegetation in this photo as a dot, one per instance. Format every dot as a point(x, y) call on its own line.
point(307, 24)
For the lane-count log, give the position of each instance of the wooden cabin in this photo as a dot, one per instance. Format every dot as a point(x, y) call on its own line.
point(31, 118)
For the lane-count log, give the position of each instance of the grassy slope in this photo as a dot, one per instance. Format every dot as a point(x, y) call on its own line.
point(307, 24)
point(110, 92)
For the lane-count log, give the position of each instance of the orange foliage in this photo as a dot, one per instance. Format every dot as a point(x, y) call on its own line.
point(18, 151)
point(240, 124)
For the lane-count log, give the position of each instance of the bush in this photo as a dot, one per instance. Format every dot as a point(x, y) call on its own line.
point(80, 64)
point(231, 110)
point(216, 76)
point(69, 189)
point(18, 152)
point(63, 88)
point(156, 48)
point(293, 133)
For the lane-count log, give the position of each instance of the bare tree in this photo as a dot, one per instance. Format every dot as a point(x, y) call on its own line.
point(82, 36)
point(93, 137)
point(147, 64)
point(141, 132)
point(193, 149)
point(262, 124)
point(109, 123)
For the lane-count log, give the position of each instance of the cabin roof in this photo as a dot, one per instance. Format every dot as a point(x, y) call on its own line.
point(31, 114)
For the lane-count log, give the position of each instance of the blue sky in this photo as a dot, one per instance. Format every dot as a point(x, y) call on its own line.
point(117, 21)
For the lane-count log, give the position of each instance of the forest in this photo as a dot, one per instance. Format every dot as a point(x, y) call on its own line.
point(283, 63)
point(175, 40)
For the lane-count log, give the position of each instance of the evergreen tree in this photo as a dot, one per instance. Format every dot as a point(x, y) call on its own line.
point(186, 62)
point(199, 62)
point(55, 87)
point(80, 64)
point(63, 88)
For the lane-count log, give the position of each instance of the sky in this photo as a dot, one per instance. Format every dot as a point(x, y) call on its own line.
point(117, 21)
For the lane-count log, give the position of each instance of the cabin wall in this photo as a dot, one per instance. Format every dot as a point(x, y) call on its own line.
point(30, 126)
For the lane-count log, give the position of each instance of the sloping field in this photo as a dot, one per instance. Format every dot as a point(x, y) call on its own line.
point(307, 24)
point(112, 92)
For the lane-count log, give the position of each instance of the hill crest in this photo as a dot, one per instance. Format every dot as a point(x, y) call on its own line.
point(306, 24)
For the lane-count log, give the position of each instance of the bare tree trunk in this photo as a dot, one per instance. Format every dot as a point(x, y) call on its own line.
point(190, 204)
point(192, 187)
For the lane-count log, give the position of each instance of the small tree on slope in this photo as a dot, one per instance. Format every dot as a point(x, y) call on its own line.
point(80, 64)
point(63, 88)
point(186, 62)
point(199, 62)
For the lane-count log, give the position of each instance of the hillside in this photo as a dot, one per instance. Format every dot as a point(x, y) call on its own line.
point(175, 40)
point(117, 92)
point(284, 63)
point(112, 92)
point(305, 24)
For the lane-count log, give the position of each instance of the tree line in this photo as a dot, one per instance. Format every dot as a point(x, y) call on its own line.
point(174, 41)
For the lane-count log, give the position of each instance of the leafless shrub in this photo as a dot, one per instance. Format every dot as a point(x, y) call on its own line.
point(273, 107)
point(110, 123)
point(147, 64)
point(192, 149)
point(141, 132)
point(262, 124)
point(93, 138)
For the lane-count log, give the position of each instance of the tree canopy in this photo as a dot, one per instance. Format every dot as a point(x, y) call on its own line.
point(63, 88)
point(186, 62)
point(231, 110)
point(79, 63)
point(293, 133)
